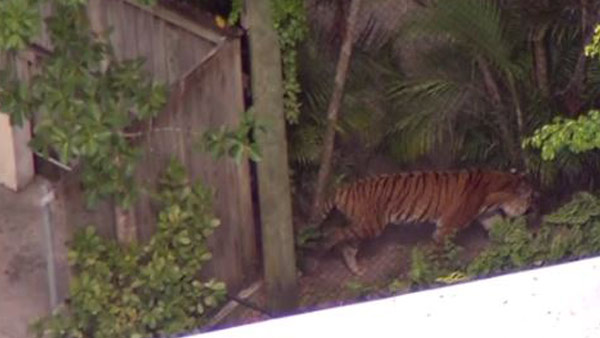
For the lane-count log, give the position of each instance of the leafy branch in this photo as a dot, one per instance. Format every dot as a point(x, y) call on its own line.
point(236, 143)
point(20, 22)
point(576, 135)
point(84, 106)
point(593, 49)
point(290, 22)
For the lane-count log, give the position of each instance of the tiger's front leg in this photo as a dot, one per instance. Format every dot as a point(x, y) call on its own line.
point(454, 220)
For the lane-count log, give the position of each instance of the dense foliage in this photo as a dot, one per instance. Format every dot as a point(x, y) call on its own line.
point(20, 21)
point(85, 100)
point(428, 90)
point(290, 22)
point(570, 232)
point(575, 135)
point(144, 291)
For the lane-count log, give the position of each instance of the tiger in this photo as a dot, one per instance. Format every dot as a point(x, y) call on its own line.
point(450, 199)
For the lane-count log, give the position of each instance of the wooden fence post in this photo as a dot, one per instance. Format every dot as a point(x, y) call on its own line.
point(273, 180)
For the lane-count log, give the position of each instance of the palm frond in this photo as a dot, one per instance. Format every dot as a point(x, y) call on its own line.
point(422, 89)
point(475, 25)
point(305, 144)
point(425, 114)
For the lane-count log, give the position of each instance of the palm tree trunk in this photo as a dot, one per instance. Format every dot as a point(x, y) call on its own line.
point(572, 92)
point(490, 84)
point(541, 62)
point(515, 97)
point(512, 147)
point(334, 105)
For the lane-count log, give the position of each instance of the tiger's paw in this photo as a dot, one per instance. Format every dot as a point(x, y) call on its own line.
point(357, 270)
point(349, 254)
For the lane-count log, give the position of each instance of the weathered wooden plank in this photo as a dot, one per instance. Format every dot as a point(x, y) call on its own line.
point(2, 60)
point(179, 21)
point(114, 16)
point(43, 39)
point(97, 15)
point(234, 243)
point(128, 28)
point(246, 228)
point(159, 63)
point(145, 48)
point(171, 50)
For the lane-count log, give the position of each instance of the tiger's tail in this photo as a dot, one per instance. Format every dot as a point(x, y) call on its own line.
point(323, 212)
point(319, 221)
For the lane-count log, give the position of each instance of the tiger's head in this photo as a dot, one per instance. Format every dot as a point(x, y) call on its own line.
point(519, 197)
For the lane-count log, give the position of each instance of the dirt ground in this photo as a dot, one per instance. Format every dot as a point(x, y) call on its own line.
point(24, 288)
point(384, 259)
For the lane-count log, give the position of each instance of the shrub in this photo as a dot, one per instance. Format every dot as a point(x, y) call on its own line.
point(143, 290)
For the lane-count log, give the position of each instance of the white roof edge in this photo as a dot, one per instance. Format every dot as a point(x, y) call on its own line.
point(556, 301)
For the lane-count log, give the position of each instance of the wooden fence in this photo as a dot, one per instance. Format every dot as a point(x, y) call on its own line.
point(202, 67)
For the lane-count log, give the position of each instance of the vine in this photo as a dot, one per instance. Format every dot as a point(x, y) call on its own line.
point(144, 291)
point(84, 107)
point(290, 22)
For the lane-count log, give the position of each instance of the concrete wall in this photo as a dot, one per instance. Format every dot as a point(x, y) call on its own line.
point(16, 160)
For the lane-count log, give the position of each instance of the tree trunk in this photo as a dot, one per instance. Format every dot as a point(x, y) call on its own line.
point(334, 106)
point(489, 82)
point(541, 62)
point(572, 93)
point(513, 148)
point(272, 172)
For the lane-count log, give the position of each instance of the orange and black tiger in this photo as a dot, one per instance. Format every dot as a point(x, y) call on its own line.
point(451, 199)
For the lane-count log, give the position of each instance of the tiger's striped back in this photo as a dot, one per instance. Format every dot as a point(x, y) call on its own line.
point(452, 199)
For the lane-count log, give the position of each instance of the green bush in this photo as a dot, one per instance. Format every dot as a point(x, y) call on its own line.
point(511, 246)
point(430, 263)
point(571, 232)
point(144, 290)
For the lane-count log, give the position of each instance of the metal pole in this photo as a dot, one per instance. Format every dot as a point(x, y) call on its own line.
point(47, 198)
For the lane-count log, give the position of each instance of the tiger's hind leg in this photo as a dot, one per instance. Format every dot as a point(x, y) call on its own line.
point(347, 238)
point(346, 241)
point(349, 254)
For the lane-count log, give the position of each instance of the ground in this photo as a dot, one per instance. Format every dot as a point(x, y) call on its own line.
point(385, 259)
point(23, 266)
